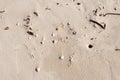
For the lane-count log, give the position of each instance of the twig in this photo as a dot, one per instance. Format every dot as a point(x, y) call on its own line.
point(111, 14)
point(35, 13)
point(30, 33)
point(103, 27)
point(117, 49)
point(2, 11)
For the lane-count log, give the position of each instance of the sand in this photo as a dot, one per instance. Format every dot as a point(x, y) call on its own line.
point(59, 39)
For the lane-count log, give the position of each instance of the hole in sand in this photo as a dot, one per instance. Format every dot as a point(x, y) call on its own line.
point(90, 46)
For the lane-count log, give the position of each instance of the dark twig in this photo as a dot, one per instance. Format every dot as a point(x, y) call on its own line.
point(35, 13)
point(103, 27)
point(117, 49)
point(30, 33)
point(111, 14)
point(2, 11)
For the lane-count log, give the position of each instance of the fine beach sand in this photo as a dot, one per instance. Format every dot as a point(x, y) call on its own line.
point(59, 39)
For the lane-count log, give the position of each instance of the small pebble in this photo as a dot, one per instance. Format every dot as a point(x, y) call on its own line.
point(61, 57)
point(57, 3)
point(68, 24)
point(6, 28)
point(37, 69)
point(74, 33)
point(41, 42)
point(56, 29)
point(115, 9)
point(54, 41)
point(53, 34)
point(66, 37)
point(78, 3)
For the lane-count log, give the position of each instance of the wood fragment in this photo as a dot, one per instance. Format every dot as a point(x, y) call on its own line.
point(26, 19)
point(103, 27)
point(27, 22)
point(6, 28)
point(35, 13)
point(30, 28)
point(30, 33)
point(2, 11)
point(117, 49)
point(95, 12)
point(47, 8)
point(26, 25)
point(111, 14)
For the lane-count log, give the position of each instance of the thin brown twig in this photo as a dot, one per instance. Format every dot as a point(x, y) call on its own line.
point(111, 14)
point(103, 27)
point(117, 49)
point(2, 11)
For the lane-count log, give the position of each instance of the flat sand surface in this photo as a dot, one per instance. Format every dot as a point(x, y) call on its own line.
point(59, 39)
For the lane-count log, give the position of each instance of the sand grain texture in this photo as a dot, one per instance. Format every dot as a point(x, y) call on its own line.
point(59, 39)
